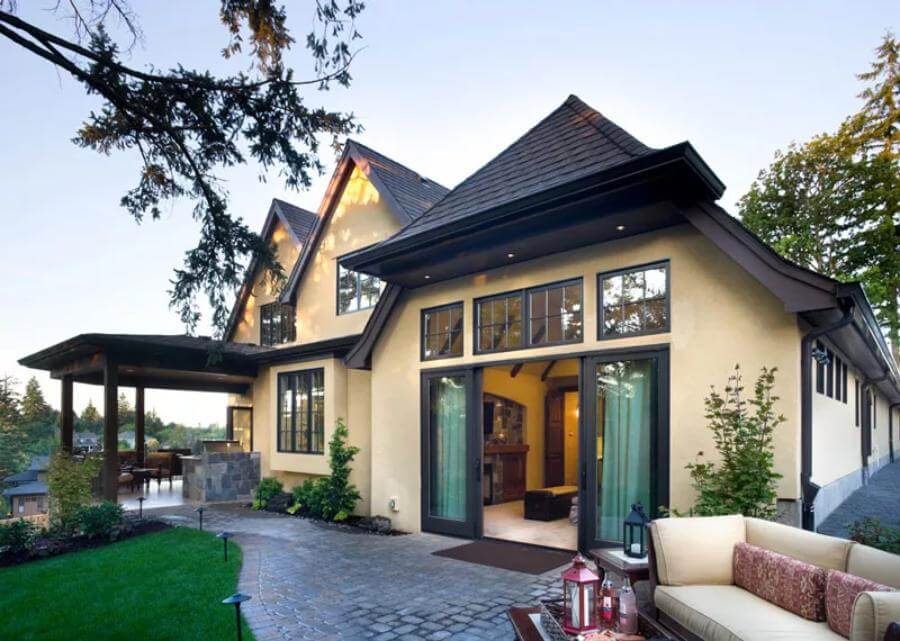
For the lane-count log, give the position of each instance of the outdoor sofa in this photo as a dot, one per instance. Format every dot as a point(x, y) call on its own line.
point(697, 567)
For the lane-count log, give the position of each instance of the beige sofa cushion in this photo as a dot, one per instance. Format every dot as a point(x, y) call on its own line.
point(696, 550)
point(875, 565)
point(873, 612)
point(728, 613)
point(825, 551)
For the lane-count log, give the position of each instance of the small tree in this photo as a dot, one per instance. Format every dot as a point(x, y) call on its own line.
point(744, 479)
point(332, 498)
point(69, 483)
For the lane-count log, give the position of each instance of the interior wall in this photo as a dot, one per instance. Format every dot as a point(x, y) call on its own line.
point(570, 425)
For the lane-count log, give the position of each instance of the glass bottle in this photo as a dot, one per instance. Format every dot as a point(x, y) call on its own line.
point(628, 619)
point(607, 606)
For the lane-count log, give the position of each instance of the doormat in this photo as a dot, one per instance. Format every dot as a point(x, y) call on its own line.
point(509, 556)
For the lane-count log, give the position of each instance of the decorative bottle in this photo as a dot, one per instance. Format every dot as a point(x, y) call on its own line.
point(628, 620)
point(607, 605)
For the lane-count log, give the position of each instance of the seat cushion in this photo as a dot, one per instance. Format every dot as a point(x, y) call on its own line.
point(783, 580)
point(825, 551)
point(696, 550)
point(840, 596)
point(729, 613)
point(875, 565)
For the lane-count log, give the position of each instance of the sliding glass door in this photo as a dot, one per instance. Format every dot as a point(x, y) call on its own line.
point(451, 452)
point(626, 434)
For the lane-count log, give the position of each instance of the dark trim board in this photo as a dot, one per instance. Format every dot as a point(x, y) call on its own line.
point(438, 308)
point(665, 262)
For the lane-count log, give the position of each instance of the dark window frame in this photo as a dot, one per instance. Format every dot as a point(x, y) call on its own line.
point(293, 377)
point(337, 291)
point(526, 311)
point(829, 374)
point(423, 335)
point(285, 331)
point(476, 321)
point(856, 412)
point(820, 369)
point(601, 320)
point(844, 372)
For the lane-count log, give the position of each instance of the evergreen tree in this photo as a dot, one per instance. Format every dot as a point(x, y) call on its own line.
point(34, 407)
point(126, 412)
point(90, 419)
point(12, 437)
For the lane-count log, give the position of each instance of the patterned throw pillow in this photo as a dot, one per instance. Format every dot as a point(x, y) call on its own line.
point(841, 590)
point(794, 585)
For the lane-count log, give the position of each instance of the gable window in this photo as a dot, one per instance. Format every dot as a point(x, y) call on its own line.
point(442, 332)
point(555, 313)
point(499, 320)
point(301, 412)
point(356, 291)
point(276, 324)
point(634, 301)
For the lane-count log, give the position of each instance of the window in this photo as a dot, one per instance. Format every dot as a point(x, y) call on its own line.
point(829, 374)
point(820, 369)
point(356, 291)
point(838, 372)
point(634, 301)
point(856, 400)
point(301, 412)
point(499, 323)
point(442, 332)
point(555, 313)
point(844, 382)
point(276, 324)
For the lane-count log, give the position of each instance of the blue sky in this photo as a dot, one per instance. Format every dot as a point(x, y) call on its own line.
point(441, 87)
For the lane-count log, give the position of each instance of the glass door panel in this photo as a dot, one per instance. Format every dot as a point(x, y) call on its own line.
point(240, 427)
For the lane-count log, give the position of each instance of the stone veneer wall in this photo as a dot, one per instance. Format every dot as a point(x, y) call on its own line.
point(221, 476)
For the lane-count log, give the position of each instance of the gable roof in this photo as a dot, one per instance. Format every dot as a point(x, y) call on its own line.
point(300, 222)
point(27, 489)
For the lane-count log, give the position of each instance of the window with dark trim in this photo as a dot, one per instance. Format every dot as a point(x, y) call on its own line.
point(356, 291)
point(820, 369)
point(829, 375)
point(277, 324)
point(838, 372)
point(844, 381)
point(858, 407)
point(301, 412)
point(499, 323)
point(442, 331)
point(874, 411)
point(634, 301)
point(555, 313)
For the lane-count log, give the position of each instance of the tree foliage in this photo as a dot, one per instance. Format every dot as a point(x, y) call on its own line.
point(333, 497)
point(188, 125)
point(833, 203)
point(12, 436)
point(69, 483)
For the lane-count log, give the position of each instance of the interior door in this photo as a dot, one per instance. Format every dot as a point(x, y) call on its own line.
point(451, 452)
point(554, 440)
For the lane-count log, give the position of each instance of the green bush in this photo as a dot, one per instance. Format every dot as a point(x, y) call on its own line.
point(69, 482)
point(17, 536)
point(743, 480)
point(870, 531)
point(100, 520)
point(333, 497)
point(268, 488)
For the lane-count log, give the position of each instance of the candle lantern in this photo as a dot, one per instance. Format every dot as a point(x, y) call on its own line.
point(634, 532)
point(580, 598)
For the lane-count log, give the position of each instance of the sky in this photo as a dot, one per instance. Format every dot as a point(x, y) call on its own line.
point(439, 86)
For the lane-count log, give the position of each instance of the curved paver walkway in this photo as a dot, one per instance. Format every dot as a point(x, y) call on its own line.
point(879, 499)
point(316, 581)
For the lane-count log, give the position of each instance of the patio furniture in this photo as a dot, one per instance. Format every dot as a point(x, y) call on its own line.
point(126, 478)
point(161, 464)
point(549, 503)
point(616, 561)
point(692, 578)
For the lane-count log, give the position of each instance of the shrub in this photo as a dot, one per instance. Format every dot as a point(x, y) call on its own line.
point(870, 531)
point(268, 488)
point(743, 481)
point(69, 483)
point(333, 497)
point(17, 536)
point(100, 520)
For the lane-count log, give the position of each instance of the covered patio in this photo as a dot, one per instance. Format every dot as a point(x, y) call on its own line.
point(141, 361)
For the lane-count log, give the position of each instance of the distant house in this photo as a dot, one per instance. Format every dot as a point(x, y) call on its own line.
point(87, 442)
point(127, 437)
point(27, 493)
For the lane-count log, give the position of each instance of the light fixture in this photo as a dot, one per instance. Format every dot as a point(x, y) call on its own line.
point(510, 255)
point(141, 500)
point(236, 600)
point(200, 511)
point(427, 276)
point(225, 536)
point(620, 227)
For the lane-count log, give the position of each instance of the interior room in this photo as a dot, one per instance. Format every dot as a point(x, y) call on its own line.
point(530, 463)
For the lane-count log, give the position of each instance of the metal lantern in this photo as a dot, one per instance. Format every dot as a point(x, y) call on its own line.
point(580, 598)
point(634, 532)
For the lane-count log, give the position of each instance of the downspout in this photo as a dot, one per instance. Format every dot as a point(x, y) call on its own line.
point(809, 489)
point(867, 426)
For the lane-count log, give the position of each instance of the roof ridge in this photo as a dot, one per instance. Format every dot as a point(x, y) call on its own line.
point(282, 201)
point(353, 141)
point(575, 99)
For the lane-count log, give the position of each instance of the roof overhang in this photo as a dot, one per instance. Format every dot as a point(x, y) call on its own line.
point(583, 212)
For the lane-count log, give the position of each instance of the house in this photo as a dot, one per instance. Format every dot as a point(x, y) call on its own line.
point(87, 442)
point(27, 490)
point(546, 330)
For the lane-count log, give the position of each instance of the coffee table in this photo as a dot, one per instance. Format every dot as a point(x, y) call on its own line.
point(614, 560)
point(525, 629)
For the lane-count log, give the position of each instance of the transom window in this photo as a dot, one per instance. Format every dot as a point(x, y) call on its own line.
point(301, 412)
point(357, 291)
point(555, 313)
point(276, 324)
point(442, 332)
point(634, 301)
point(499, 323)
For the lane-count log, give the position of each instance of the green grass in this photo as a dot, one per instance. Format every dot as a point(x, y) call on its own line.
point(163, 586)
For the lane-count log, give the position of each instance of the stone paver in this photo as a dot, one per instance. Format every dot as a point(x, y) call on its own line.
point(316, 581)
point(879, 499)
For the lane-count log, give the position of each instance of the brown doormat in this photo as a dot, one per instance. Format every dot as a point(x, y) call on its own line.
point(509, 556)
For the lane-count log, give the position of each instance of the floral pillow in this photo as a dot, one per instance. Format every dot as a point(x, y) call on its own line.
point(841, 590)
point(789, 583)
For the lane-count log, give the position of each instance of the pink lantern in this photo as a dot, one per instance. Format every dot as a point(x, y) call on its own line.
point(580, 598)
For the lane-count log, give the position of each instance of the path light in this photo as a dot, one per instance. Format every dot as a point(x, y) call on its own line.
point(236, 600)
point(225, 536)
point(200, 511)
point(140, 501)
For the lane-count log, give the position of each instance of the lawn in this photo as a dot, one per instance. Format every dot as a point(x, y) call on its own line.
point(163, 586)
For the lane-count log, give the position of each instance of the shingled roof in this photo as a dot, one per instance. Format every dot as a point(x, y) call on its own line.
point(301, 222)
point(573, 141)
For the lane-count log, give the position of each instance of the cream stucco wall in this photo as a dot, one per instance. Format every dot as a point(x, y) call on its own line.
point(836, 437)
point(880, 444)
point(720, 316)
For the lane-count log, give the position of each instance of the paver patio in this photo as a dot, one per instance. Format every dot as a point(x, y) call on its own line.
point(878, 499)
point(316, 581)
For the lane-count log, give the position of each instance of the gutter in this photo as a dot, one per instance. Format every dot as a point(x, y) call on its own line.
point(809, 489)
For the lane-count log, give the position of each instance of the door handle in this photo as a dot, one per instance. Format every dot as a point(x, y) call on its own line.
point(584, 477)
point(477, 468)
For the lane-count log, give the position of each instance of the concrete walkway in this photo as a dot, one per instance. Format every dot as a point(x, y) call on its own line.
point(879, 499)
point(316, 581)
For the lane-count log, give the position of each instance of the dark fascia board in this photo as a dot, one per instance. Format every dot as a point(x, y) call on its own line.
point(682, 154)
point(870, 324)
point(360, 356)
point(337, 347)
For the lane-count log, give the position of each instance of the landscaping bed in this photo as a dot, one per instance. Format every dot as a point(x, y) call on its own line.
point(379, 525)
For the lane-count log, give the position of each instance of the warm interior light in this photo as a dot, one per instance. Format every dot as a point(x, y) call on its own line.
point(427, 276)
point(510, 255)
point(620, 227)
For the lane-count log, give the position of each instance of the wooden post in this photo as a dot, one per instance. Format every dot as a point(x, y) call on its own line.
point(66, 416)
point(110, 430)
point(139, 425)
